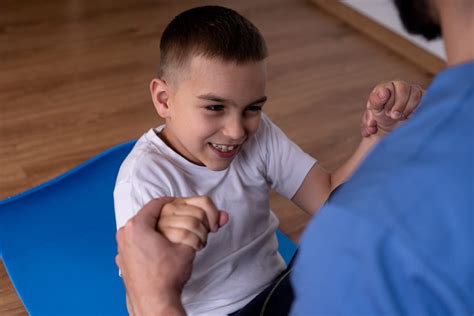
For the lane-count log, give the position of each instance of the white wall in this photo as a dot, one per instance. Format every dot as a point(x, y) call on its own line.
point(385, 13)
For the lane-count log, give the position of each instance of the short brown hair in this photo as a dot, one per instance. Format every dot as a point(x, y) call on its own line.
point(210, 31)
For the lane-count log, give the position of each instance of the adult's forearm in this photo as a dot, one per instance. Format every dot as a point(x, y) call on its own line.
point(158, 305)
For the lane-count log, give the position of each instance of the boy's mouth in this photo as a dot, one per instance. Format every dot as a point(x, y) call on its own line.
point(224, 148)
point(225, 151)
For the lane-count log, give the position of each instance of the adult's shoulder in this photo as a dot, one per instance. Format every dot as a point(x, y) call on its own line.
point(398, 232)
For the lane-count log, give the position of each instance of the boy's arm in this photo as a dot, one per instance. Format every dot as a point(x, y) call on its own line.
point(318, 183)
point(379, 119)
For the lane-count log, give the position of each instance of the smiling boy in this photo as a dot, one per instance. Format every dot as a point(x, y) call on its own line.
point(217, 143)
point(204, 111)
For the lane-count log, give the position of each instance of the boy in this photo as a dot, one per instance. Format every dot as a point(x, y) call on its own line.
point(217, 143)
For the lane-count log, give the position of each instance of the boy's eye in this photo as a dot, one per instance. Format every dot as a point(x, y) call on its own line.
point(215, 107)
point(254, 108)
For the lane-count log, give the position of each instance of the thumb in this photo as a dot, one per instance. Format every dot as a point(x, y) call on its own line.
point(150, 212)
point(223, 218)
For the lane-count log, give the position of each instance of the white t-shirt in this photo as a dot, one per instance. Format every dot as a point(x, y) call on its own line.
point(242, 257)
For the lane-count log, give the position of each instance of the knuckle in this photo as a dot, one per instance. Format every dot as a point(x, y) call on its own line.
point(170, 208)
point(402, 87)
point(205, 199)
point(195, 224)
point(174, 235)
point(169, 233)
point(166, 208)
point(161, 225)
point(181, 234)
point(201, 215)
point(130, 225)
point(185, 235)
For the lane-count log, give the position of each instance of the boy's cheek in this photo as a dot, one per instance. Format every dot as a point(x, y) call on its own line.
point(253, 127)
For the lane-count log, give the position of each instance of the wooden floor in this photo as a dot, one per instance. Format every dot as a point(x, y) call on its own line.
point(74, 81)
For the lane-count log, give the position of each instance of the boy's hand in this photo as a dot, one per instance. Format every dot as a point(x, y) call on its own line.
point(188, 221)
point(154, 270)
point(389, 104)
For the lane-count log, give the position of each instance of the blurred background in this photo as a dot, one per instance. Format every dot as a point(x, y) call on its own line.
point(74, 81)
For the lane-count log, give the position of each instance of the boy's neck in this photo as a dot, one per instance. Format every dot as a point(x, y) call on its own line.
point(163, 136)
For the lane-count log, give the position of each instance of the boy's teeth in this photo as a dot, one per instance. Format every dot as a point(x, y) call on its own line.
point(223, 148)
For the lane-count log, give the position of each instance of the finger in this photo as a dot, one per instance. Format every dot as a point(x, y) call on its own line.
point(188, 223)
point(184, 237)
point(369, 124)
point(182, 209)
point(379, 97)
point(368, 119)
point(401, 96)
point(370, 131)
point(414, 101)
point(149, 214)
point(206, 204)
point(223, 218)
point(363, 132)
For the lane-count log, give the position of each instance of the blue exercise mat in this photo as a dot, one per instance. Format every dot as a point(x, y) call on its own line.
point(57, 241)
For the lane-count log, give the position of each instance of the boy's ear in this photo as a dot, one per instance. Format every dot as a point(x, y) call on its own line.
point(160, 95)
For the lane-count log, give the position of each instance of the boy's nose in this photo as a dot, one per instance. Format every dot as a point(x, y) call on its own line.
point(234, 129)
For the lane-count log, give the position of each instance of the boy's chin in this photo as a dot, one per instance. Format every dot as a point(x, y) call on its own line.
point(216, 166)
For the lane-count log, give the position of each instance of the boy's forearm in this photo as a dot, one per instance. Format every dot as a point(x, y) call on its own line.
point(318, 184)
point(341, 174)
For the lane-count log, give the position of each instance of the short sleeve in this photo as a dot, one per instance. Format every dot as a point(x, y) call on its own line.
point(130, 197)
point(127, 202)
point(286, 164)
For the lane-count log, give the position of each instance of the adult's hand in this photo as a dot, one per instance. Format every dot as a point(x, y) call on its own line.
point(154, 270)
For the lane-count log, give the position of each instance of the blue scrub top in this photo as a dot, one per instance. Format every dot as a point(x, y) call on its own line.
point(398, 237)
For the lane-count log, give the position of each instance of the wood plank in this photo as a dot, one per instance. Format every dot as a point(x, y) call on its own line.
point(10, 305)
point(423, 58)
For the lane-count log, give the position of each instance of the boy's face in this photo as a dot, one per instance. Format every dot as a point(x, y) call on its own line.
point(213, 109)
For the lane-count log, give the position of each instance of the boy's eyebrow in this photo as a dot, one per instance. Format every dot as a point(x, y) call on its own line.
point(215, 98)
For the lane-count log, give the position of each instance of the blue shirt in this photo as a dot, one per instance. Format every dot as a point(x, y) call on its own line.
point(398, 238)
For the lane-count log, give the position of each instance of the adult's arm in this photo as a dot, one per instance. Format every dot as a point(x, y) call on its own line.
point(351, 264)
point(154, 270)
